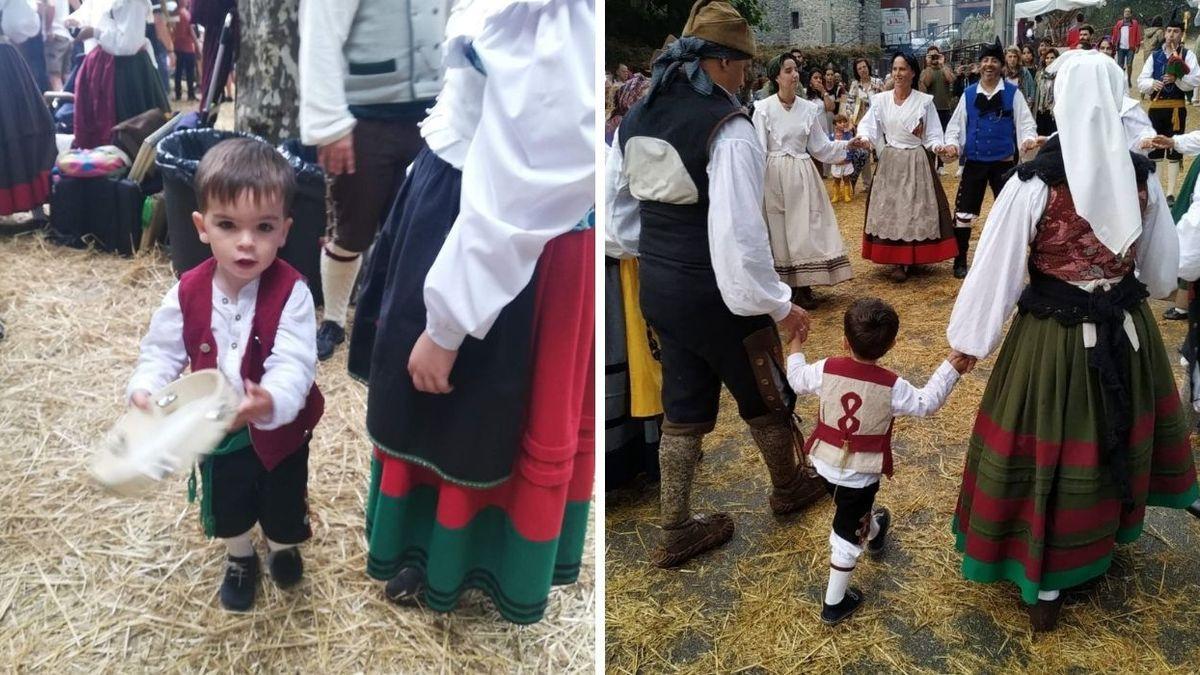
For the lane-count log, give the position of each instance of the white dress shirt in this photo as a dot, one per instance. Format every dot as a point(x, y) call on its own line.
point(528, 173)
point(997, 276)
point(288, 372)
point(737, 233)
point(18, 21)
point(1188, 82)
point(907, 401)
point(956, 128)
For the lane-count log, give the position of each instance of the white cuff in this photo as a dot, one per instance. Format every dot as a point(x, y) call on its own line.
point(446, 337)
point(781, 312)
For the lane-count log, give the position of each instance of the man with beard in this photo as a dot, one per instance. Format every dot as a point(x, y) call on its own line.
point(1085, 36)
point(684, 193)
point(991, 120)
point(1169, 73)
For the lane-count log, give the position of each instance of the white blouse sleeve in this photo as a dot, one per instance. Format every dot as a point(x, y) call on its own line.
point(162, 357)
point(1138, 128)
point(823, 149)
point(934, 134)
point(762, 125)
point(737, 233)
point(623, 229)
point(18, 20)
point(122, 32)
point(529, 174)
point(868, 126)
point(1189, 249)
point(997, 274)
point(324, 28)
point(953, 134)
point(289, 371)
point(1188, 144)
point(1192, 79)
point(1157, 260)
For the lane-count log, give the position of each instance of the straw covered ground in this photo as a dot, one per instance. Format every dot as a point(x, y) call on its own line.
point(91, 582)
point(754, 603)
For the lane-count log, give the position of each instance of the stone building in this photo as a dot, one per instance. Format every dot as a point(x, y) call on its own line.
point(802, 23)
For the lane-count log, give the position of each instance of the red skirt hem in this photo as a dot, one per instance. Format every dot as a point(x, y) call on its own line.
point(25, 196)
point(894, 252)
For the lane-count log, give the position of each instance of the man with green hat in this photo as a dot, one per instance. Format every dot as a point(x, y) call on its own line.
point(684, 189)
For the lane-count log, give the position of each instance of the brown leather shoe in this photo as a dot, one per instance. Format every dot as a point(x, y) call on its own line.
point(1043, 617)
point(899, 273)
point(698, 535)
point(803, 491)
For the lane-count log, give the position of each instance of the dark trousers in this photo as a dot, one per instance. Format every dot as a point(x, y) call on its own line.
point(185, 65)
point(976, 178)
point(383, 149)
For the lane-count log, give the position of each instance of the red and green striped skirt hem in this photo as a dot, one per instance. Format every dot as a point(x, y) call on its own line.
point(513, 542)
point(1038, 504)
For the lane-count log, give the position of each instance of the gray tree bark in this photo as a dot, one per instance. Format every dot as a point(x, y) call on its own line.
point(268, 96)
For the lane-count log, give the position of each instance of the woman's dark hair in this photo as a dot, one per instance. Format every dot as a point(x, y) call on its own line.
point(910, 60)
point(1052, 50)
point(774, 67)
point(808, 77)
point(854, 67)
point(871, 326)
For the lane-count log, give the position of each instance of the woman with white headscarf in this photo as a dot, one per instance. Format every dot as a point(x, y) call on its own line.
point(1080, 428)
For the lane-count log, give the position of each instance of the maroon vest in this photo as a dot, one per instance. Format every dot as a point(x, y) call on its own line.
point(1066, 248)
point(274, 287)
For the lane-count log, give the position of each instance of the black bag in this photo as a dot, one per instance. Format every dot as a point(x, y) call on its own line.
point(103, 211)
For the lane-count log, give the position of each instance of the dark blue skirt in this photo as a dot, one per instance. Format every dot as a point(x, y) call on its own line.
point(471, 435)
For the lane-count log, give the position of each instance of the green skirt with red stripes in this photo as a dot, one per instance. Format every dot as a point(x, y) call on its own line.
point(1038, 505)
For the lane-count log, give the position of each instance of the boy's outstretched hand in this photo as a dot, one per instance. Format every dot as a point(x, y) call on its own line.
point(963, 363)
point(257, 406)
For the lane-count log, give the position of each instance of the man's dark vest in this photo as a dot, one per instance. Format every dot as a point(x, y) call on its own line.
point(688, 121)
point(1169, 91)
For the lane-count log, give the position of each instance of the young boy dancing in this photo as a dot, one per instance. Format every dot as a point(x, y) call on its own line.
point(851, 445)
point(250, 315)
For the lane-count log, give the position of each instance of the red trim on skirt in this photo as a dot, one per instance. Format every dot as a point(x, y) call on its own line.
point(25, 196)
point(556, 463)
point(894, 252)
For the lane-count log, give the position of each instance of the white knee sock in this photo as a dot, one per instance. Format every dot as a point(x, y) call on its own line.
point(337, 281)
point(1172, 176)
point(842, 558)
point(874, 531)
point(240, 546)
point(275, 547)
point(839, 581)
point(1048, 596)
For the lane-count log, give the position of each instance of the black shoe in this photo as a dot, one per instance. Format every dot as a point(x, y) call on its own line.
point(405, 588)
point(1194, 508)
point(1175, 314)
point(960, 269)
point(241, 583)
point(329, 336)
point(884, 518)
point(832, 614)
point(286, 567)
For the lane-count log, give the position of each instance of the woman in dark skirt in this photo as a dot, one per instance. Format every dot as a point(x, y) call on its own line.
point(27, 147)
point(475, 329)
point(118, 79)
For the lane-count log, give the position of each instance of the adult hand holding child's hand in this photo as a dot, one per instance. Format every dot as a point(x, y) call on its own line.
point(963, 363)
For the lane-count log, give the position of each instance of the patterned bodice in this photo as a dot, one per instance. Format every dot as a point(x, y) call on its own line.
point(1066, 248)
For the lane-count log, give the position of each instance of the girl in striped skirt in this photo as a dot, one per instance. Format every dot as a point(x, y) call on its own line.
point(1081, 427)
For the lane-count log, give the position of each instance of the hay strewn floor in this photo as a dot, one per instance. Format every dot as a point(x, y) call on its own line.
point(89, 582)
point(754, 604)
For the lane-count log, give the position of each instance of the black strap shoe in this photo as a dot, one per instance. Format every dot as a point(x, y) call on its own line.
point(884, 518)
point(241, 583)
point(329, 336)
point(405, 588)
point(833, 614)
point(286, 567)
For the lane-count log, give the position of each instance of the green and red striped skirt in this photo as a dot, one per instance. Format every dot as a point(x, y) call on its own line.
point(1038, 505)
point(515, 539)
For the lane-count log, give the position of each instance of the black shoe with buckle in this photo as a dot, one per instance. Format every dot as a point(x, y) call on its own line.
point(833, 614)
point(241, 583)
point(329, 336)
point(405, 588)
point(883, 518)
point(286, 567)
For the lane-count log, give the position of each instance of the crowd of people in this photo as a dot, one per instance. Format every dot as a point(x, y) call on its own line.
point(715, 199)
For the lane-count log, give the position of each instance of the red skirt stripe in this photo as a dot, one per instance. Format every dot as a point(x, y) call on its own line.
point(25, 196)
point(1005, 443)
point(887, 252)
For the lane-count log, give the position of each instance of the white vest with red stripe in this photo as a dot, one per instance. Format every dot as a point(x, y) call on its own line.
point(854, 424)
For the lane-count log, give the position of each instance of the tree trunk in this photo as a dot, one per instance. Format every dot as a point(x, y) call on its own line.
point(268, 96)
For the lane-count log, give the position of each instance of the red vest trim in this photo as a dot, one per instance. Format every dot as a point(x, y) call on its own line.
point(856, 443)
point(274, 288)
point(855, 370)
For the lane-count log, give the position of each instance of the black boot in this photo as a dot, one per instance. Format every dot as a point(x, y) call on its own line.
point(286, 567)
point(963, 236)
point(405, 588)
point(241, 583)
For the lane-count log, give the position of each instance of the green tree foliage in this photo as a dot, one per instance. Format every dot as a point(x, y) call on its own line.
point(647, 22)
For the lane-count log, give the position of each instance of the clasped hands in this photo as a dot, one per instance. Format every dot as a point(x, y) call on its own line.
point(1159, 142)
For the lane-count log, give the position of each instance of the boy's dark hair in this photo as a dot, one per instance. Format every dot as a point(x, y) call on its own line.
point(871, 326)
point(238, 166)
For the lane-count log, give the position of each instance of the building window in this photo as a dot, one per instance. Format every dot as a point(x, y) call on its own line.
point(795, 20)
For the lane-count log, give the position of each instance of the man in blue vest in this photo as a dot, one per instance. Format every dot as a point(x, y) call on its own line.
point(991, 121)
point(1168, 74)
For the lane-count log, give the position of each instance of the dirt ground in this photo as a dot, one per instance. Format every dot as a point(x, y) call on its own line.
point(753, 604)
point(94, 583)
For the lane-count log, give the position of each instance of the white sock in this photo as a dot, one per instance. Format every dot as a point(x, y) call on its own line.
point(1048, 596)
point(337, 281)
point(839, 581)
point(275, 547)
point(1172, 176)
point(240, 546)
point(874, 531)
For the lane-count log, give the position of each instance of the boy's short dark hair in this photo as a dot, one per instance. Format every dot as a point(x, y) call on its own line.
point(238, 166)
point(871, 326)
